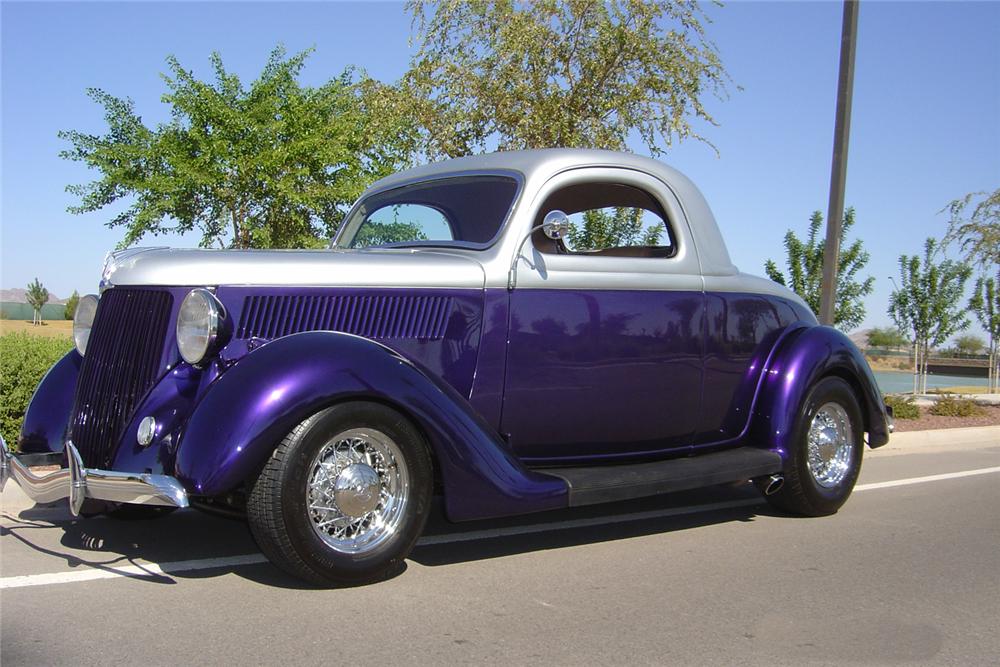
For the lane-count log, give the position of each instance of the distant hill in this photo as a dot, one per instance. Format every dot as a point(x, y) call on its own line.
point(18, 295)
point(860, 337)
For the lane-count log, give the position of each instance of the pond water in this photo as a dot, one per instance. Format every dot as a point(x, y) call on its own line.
point(897, 381)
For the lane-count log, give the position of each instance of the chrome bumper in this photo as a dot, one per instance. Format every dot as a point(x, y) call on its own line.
point(78, 483)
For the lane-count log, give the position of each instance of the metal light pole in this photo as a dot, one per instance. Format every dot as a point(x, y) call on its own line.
point(838, 171)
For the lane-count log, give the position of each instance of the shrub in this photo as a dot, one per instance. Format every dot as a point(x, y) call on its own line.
point(903, 407)
point(24, 360)
point(71, 303)
point(949, 406)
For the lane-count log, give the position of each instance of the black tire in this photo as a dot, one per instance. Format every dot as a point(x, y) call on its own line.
point(286, 527)
point(129, 512)
point(802, 492)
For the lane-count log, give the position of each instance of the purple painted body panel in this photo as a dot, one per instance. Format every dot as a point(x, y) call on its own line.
point(438, 329)
point(602, 374)
point(257, 402)
point(741, 332)
point(581, 375)
point(47, 418)
point(805, 356)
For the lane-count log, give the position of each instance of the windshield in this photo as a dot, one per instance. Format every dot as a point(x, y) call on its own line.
point(466, 211)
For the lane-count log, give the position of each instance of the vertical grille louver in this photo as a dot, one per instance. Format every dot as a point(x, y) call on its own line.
point(123, 361)
point(375, 316)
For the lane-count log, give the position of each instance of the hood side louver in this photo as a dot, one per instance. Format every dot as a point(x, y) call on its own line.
point(379, 317)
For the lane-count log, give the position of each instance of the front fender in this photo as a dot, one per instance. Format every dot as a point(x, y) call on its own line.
point(47, 417)
point(803, 358)
point(254, 404)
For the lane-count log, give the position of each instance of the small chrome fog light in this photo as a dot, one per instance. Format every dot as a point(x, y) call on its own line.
point(147, 431)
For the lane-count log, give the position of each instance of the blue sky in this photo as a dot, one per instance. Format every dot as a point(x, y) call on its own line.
point(926, 123)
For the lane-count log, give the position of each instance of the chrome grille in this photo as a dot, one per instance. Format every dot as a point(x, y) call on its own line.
point(123, 361)
point(371, 316)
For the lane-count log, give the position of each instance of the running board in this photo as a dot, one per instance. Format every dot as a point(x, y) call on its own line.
point(608, 483)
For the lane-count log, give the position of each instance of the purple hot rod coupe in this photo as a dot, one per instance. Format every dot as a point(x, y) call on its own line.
point(469, 334)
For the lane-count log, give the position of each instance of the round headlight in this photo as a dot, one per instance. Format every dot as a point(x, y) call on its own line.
point(83, 320)
point(198, 325)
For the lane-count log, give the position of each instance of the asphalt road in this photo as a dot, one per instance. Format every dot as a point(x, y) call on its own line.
point(905, 573)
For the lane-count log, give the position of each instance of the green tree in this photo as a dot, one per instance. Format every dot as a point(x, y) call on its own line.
point(274, 164)
point(37, 297)
point(985, 304)
point(969, 344)
point(886, 337)
point(974, 225)
point(602, 228)
point(380, 233)
point(71, 304)
point(928, 304)
point(805, 270)
point(547, 73)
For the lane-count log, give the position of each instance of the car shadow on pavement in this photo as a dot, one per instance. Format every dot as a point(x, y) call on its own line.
point(108, 544)
point(573, 527)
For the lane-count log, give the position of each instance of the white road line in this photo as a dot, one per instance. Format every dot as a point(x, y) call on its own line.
point(154, 569)
point(928, 478)
point(144, 570)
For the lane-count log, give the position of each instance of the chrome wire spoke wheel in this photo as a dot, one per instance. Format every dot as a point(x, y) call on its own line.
point(830, 445)
point(357, 491)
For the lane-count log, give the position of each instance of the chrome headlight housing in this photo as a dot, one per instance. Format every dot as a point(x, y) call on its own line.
point(83, 321)
point(198, 322)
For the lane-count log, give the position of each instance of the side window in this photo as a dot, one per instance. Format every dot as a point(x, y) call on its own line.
point(610, 220)
point(398, 223)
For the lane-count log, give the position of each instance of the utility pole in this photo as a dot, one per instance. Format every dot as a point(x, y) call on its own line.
point(838, 171)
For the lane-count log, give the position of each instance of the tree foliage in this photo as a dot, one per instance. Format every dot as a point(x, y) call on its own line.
point(985, 304)
point(71, 304)
point(969, 344)
point(547, 73)
point(24, 361)
point(37, 297)
point(805, 270)
point(928, 304)
point(381, 233)
point(603, 228)
point(975, 225)
point(886, 337)
point(274, 164)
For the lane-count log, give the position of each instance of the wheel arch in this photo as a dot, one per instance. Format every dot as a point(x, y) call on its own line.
point(248, 410)
point(802, 361)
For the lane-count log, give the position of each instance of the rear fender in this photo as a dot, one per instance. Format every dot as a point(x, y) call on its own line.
point(804, 357)
point(254, 404)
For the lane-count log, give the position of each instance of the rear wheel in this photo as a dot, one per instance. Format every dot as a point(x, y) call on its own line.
point(345, 495)
point(825, 457)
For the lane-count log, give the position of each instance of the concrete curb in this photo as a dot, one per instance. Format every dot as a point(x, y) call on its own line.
point(972, 437)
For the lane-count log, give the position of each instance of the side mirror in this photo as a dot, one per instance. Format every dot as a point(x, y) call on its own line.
point(555, 224)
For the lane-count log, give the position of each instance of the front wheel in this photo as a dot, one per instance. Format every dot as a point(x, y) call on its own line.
point(825, 452)
point(344, 497)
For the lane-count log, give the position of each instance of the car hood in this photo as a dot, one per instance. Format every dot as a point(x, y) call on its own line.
point(399, 267)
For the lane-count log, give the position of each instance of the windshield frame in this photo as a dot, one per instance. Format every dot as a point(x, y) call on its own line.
point(348, 221)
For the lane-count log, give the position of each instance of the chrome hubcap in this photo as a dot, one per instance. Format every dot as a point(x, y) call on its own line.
point(357, 490)
point(830, 447)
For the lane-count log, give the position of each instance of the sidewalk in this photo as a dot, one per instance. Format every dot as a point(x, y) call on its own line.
point(927, 400)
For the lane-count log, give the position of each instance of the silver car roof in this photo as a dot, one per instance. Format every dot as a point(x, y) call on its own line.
point(538, 166)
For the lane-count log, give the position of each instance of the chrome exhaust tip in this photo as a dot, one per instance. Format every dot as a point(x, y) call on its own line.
point(774, 484)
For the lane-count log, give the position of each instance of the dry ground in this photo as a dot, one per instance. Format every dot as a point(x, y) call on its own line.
point(48, 328)
point(990, 416)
